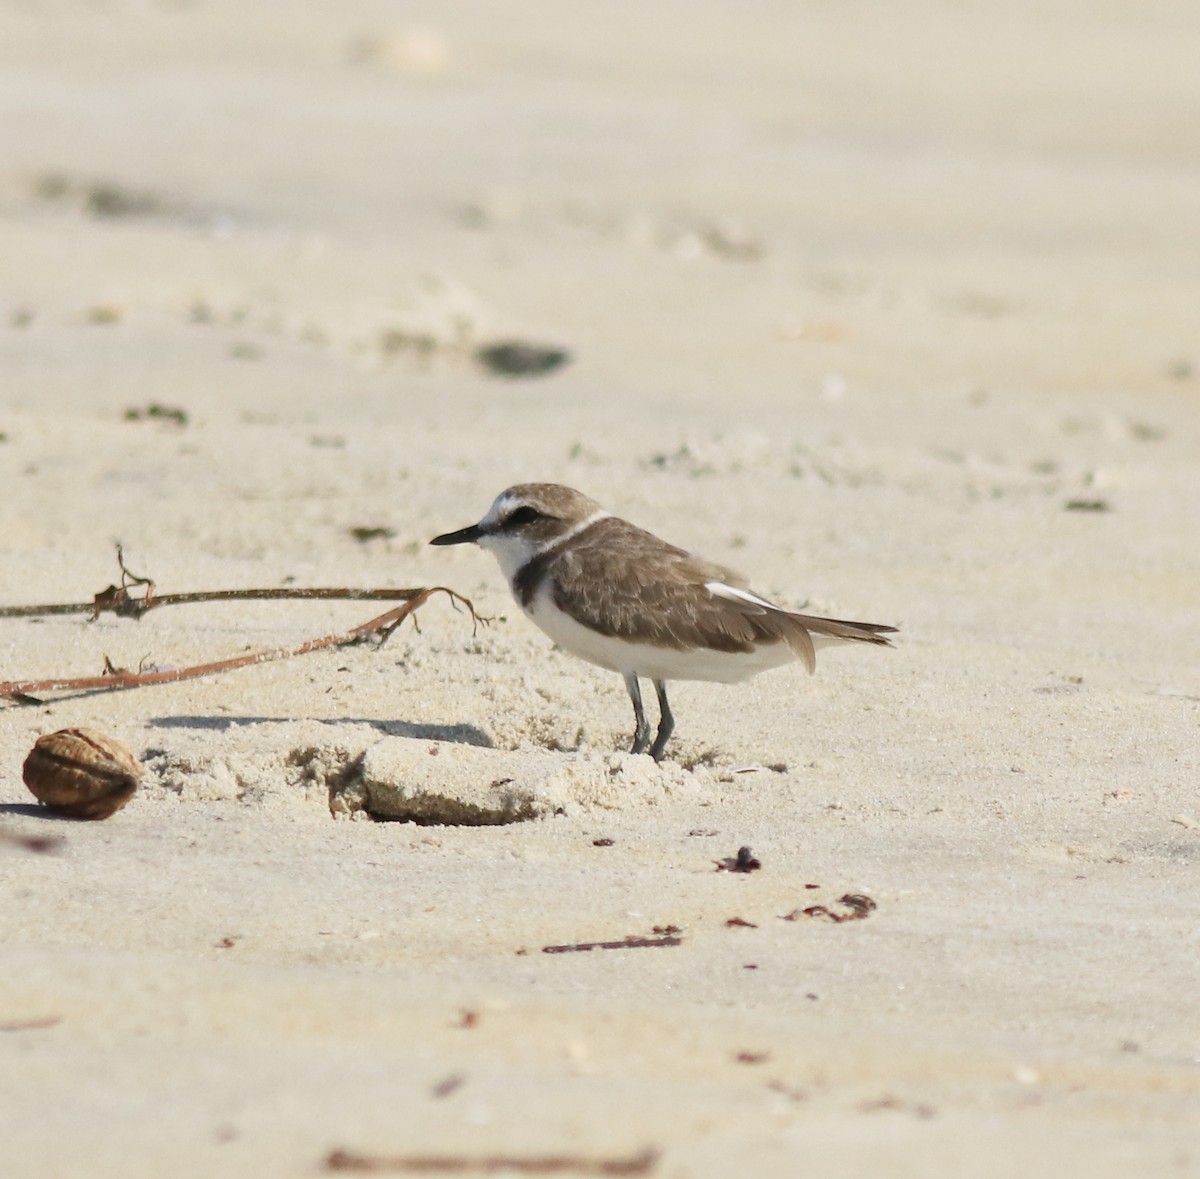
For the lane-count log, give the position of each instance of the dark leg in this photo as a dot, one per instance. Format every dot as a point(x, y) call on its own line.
point(666, 722)
point(641, 734)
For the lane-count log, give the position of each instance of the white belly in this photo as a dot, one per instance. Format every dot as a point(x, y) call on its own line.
point(651, 662)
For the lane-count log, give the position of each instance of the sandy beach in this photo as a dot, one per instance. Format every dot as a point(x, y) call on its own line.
point(892, 308)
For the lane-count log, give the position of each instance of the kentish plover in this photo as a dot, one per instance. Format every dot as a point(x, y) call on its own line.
point(619, 597)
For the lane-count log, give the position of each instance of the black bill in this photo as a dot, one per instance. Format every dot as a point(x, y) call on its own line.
point(468, 535)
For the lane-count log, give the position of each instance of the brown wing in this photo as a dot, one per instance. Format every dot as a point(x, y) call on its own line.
point(621, 581)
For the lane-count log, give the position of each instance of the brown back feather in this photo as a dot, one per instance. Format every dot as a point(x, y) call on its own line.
point(622, 581)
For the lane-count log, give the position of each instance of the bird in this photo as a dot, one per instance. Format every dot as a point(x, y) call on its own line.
point(619, 597)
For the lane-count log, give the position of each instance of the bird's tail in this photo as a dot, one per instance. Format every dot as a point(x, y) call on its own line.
point(803, 629)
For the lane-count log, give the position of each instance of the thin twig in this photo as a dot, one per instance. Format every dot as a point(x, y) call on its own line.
point(116, 599)
point(383, 626)
point(446, 1164)
point(627, 943)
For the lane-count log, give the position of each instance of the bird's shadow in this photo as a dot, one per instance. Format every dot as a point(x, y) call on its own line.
point(457, 734)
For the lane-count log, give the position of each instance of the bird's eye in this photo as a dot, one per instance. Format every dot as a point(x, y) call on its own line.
point(522, 516)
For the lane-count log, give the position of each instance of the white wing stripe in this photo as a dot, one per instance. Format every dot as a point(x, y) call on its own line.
point(721, 590)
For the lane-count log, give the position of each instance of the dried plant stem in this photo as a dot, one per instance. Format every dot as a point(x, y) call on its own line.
point(643, 1163)
point(383, 626)
point(627, 943)
point(117, 600)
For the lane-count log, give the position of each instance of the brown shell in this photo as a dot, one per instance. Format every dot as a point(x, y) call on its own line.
point(81, 773)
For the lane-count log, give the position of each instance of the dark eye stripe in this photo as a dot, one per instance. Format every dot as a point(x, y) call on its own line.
point(519, 518)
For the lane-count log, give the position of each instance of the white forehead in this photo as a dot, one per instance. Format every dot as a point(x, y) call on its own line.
point(502, 505)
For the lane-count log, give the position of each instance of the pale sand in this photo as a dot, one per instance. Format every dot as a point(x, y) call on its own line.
point(859, 298)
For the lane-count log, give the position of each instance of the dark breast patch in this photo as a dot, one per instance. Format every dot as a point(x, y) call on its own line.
point(530, 576)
